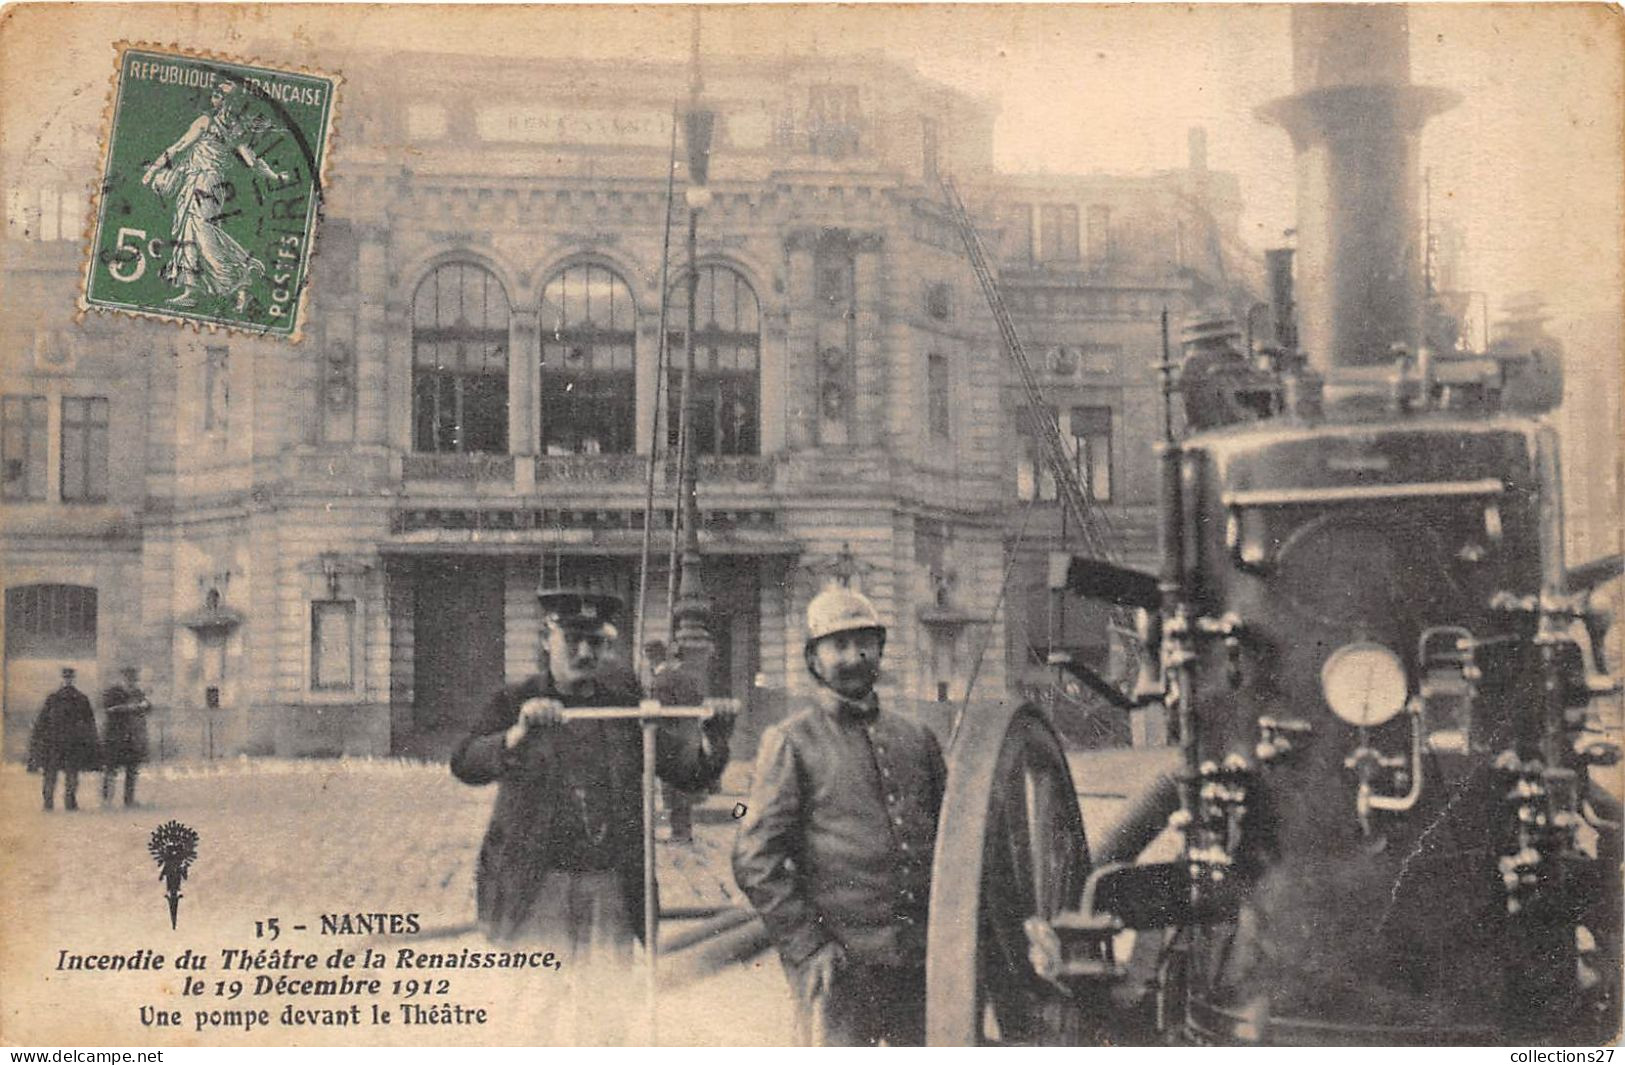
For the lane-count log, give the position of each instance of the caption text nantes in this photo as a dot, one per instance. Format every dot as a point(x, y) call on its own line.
point(244, 988)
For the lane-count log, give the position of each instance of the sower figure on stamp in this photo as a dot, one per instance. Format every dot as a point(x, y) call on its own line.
point(193, 173)
point(64, 741)
point(124, 734)
point(674, 683)
point(836, 845)
point(562, 861)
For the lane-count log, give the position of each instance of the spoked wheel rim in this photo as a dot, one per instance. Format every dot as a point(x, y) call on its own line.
point(1011, 846)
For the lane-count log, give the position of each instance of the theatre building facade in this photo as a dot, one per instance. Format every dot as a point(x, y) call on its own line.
point(334, 546)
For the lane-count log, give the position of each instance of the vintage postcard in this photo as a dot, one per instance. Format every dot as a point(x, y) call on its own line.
point(731, 525)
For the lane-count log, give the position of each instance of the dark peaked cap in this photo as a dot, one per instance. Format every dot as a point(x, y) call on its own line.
point(575, 608)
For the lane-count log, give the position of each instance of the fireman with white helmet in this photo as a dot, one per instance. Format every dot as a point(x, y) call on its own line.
point(845, 640)
point(835, 848)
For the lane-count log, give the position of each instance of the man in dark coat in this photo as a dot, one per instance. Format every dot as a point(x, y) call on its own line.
point(124, 734)
point(562, 861)
point(836, 845)
point(64, 741)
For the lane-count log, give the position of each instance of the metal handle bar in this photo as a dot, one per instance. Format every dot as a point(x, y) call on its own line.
point(649, 709)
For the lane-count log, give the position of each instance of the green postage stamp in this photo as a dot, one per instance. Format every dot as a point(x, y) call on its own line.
point(210, 191)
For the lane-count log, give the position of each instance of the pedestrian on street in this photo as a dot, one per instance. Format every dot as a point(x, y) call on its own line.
point(674, 683)
point(562, 861)
point(64, 741)
point(836, 845)
point(124, 734)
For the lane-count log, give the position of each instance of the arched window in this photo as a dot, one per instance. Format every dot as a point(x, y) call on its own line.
point(460, 361)
point(589, 386)
point(727, 364)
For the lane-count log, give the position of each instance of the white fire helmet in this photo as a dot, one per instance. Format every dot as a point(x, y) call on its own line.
point(839, 609)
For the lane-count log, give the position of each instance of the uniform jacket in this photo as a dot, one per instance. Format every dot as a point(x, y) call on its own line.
point(124, 732)
point(837, 840)
point(64, 735)
point(570, 797)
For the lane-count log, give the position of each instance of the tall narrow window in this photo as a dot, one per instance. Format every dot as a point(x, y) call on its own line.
point(1018, 232)
point(217, 390)
point(1035, 480)
point(1098, 220)
point(84, 449)
point(1091, 430)
point(332, 645)
point(23, 443)
point(49, 206)
point(727, 362)
point(460, 361)
point(928, 149)
point(936, 396)
point(589, 387)
point(834, 120)
point(1058, 232)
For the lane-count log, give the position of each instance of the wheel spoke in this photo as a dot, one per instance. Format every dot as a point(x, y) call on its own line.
point(1040, 819)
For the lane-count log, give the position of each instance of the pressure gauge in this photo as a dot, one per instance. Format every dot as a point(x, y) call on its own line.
point(1364, 683)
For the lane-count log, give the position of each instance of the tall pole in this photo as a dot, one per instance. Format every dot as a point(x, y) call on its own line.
point(693, 608)
point(656, 443)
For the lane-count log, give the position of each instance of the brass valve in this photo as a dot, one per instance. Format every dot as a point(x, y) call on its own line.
point(1275, 737)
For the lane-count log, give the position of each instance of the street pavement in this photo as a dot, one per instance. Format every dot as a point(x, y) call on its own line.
point(293, 840)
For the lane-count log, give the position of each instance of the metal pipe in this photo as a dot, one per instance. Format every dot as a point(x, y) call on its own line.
point(1145, 820)
point(713, 922)
point(651, 908)
point(707, 957)
point(646, 710)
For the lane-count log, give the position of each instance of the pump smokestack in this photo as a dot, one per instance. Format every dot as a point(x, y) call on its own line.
point(1355, 121)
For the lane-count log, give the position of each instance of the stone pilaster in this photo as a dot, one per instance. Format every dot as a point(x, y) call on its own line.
point(800, 375)
point(868, 427)
point(375, 385)
point(523, 346)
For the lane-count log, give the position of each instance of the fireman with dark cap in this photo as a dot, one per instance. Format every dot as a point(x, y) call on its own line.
point(836, 845)
point(562, 861)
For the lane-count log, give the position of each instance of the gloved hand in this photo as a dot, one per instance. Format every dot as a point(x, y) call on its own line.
point(534, 714)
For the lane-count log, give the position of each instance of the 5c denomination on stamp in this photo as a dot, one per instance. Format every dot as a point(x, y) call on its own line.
point(210, 191)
